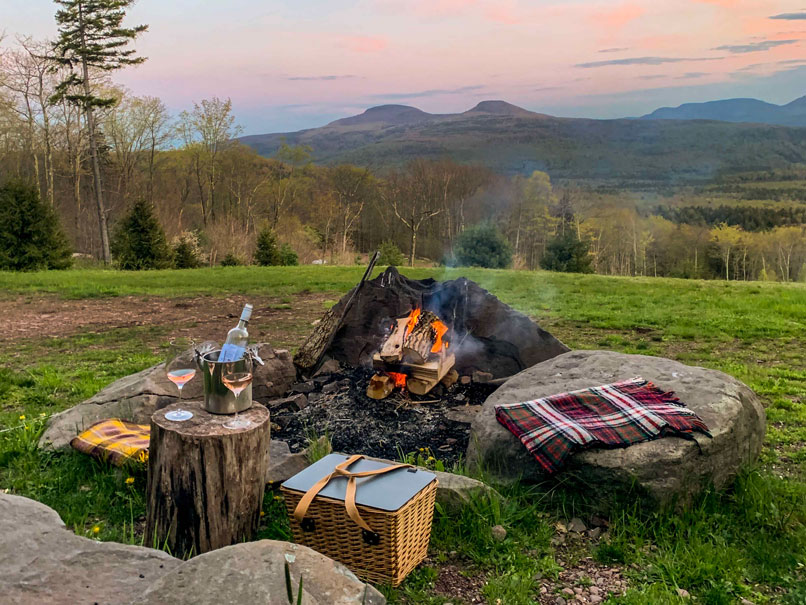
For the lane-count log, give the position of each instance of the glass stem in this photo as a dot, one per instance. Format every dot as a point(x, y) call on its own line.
point(180, 394)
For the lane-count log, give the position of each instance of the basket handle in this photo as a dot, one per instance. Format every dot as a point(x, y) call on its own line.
point(341, 470)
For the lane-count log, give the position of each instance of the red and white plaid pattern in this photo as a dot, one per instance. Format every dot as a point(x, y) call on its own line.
point(611, 415)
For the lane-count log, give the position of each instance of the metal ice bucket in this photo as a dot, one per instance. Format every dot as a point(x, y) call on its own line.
point(218, 399)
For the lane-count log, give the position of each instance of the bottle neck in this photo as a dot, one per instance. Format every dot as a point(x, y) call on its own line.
point(242, 323)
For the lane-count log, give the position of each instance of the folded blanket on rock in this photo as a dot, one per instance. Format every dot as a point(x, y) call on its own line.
point(117, 441)
point(612, 415)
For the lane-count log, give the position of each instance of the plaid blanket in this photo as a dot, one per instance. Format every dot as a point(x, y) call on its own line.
point(117, 441)
point(612, 415)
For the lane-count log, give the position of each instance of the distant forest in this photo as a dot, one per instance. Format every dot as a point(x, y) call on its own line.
point(205, 185)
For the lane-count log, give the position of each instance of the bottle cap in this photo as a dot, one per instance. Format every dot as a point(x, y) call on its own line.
point(247, 312)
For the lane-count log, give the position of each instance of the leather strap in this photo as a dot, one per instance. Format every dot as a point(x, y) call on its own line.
point(341, 470)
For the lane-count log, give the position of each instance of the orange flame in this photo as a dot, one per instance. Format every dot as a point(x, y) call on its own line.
point(413, 317)
point(441, 329)
point(400, 379)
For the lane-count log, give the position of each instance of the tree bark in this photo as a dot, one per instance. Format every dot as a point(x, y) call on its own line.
point(205, 482)
point(96, 167)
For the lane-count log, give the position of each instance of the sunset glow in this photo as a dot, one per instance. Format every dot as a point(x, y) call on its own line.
point(289, 65)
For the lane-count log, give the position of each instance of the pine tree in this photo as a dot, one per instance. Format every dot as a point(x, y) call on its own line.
point(30, 235)
point(139, 241)
point(483, 246)
point(567, 253)
point(267, 253)
point(92, 39)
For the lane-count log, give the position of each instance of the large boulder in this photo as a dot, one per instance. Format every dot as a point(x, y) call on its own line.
point(42, 562)
point(667, 471)
point(137, 397)
point(254, 572)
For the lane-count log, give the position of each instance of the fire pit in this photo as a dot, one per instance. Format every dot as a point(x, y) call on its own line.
point(416, 359)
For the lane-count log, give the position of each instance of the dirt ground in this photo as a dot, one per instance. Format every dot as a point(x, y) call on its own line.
point(200, 318)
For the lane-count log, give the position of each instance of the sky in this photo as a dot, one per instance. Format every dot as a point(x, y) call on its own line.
point(293, 64)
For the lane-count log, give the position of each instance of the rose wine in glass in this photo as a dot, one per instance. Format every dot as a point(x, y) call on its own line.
point(236, 382)
point(180, 372)
point(181, 377)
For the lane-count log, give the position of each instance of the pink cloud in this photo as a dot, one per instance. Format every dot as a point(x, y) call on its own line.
point(365, 44)
point(620, 16)
point(426, 8)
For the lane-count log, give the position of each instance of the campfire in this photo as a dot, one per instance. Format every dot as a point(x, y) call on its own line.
point(391, 345)
point(414, 356)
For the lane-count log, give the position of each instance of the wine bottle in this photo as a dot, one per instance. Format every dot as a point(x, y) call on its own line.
point(237, 338)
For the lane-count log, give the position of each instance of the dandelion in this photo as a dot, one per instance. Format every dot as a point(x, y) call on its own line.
point(96, 529)
point(22, 417)
point(42, 414)
point(262, 514)
point(129, 480)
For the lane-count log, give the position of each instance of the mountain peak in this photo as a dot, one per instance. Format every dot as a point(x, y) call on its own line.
point(385, 114)
point(499, 108)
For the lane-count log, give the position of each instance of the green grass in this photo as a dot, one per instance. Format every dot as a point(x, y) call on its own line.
point(749, 542)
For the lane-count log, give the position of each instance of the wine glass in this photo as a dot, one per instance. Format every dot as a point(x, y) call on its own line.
point(180, 368)
point(236, 376)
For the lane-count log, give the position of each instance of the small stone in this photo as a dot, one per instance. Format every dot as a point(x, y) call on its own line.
point(543, 590)
point(557, 540)
point(559, 601)
point(595, 533)
point(482, 377)
point(321, 379)
point(331, 387)
point(683, 593)
point(746, 602)
point(597, 521)
point(302, 387)
point(451, 441)
point(577, 590)
point(595, 589)
point(460, 397)
point(595, 599)
point(294, 403)
point(331, 366)
point(576, 525)
point(568, 591)
point(499, 533)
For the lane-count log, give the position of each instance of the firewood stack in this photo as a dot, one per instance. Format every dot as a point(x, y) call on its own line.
point(415, 355)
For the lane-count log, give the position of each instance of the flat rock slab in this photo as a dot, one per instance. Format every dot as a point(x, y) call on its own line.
point(137, 397)
point(42, 562)
point(254, 573)
point(669, 470)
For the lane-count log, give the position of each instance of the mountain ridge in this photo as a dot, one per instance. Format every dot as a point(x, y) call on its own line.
point(512, 140)
point(736, 110)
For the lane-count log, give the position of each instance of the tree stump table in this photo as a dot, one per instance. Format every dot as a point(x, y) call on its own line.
point(205, 482)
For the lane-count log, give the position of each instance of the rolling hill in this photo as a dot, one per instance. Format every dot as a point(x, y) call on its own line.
point(737, 110)
point(510, 140)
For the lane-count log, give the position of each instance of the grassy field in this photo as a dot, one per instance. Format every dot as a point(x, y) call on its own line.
point(749, 543)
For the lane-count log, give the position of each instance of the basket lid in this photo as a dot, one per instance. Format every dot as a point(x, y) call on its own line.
point(389, 491)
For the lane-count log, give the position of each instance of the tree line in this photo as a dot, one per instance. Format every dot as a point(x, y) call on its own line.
point(93, 150)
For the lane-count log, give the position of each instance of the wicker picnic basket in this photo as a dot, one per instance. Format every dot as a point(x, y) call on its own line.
point(327, 507)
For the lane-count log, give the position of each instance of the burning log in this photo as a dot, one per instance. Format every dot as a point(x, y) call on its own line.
point(392, 350)
point(421, 336)
point(380, 386)
point(414, 355)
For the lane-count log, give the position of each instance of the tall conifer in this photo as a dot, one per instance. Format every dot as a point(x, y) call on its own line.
point(91, 39)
